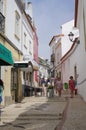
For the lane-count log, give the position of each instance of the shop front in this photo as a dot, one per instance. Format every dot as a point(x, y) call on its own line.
point(6, 62)
point(27, 68)
point(5, 56)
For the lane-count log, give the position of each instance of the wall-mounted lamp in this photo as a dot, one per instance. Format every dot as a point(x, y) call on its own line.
point(71, 35)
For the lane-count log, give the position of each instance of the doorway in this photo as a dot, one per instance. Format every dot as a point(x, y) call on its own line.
point(14, 84)
point(75, 73)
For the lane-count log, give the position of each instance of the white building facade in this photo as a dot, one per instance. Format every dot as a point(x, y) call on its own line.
point(74, 61)
point(80, 22)
point(56, 54)
point(19, 32)
point(66, 28)
point(66, 45)
point(44, 67)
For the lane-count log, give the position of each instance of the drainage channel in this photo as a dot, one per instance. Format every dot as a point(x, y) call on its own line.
point(61, 123)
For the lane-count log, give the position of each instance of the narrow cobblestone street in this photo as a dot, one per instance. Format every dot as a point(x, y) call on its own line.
point(34, 113)
point(42, 113)
point(42, 65)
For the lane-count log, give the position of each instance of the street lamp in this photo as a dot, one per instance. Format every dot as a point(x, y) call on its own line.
point(71, 36)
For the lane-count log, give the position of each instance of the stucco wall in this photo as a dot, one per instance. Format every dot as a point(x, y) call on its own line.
point(10, 22)
point(82, 55)
point(66, 29)
point(6, 72)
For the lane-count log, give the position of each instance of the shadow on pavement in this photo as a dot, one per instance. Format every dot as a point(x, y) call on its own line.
point(47, 116)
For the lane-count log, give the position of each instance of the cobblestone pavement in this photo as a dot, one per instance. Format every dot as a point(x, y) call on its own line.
point(41, 113)
point(76, 115)
point(34, 113)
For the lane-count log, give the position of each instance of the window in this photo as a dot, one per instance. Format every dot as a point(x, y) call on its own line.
point(25, 42)
point(30, 48)
point(58, 59)
point(75, 73)
point(14, 77)
point(53, 49)
point(17, 25)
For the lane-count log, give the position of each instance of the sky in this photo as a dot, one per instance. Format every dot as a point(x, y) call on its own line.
point(48, 16)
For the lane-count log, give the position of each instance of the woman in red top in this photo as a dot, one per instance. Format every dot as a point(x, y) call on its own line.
point(72, 86)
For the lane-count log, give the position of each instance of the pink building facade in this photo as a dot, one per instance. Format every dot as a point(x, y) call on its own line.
point(35, 54)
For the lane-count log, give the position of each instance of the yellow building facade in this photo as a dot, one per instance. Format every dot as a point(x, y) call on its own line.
point(11, 76)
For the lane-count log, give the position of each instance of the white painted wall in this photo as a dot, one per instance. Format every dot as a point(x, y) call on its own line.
point(78, 55)
point(28, 8)
point(11, 7)
point(52, 47)
point(66, 29)
point(25, 27)
point(69, 63)
point(28, 50)
point(58, 54)
point(43, 71)
point(66, 70)
point(81, 24)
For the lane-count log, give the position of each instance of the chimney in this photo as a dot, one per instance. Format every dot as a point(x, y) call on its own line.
point(28, 8)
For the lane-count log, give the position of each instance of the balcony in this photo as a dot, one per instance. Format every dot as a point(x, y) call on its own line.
point(53, 57)
point(2, 23)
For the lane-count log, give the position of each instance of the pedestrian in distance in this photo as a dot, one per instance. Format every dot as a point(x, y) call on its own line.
point(47, 83)
point(44, 86)
point(72, 86)
point(58, 86)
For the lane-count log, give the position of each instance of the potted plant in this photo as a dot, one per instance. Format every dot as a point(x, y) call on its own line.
point(50, 90)
point(50, 87)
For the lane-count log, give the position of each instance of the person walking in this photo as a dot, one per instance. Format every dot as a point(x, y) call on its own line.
point(58, 86)
point(72, 86)
point(44, 86)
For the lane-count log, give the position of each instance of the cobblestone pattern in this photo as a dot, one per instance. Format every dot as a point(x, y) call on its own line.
point(76, 115)
point(36, 113)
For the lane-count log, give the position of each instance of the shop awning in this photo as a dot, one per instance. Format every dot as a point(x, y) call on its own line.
point(24, 65)
point(5, 56)
point(35, 65)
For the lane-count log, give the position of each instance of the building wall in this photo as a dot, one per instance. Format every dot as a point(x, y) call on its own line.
point(66, 70)
point(27, 48)
point(11, 8)
point(35, 50)
point(65, 42)
point(43, 68)
point(81, 24)
point(52, 45)
point(20, 44)
point(58, 57)
point(25, 28)
point(69, 54)
point(6, 72)
point(55, 53)
point(77, 58)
